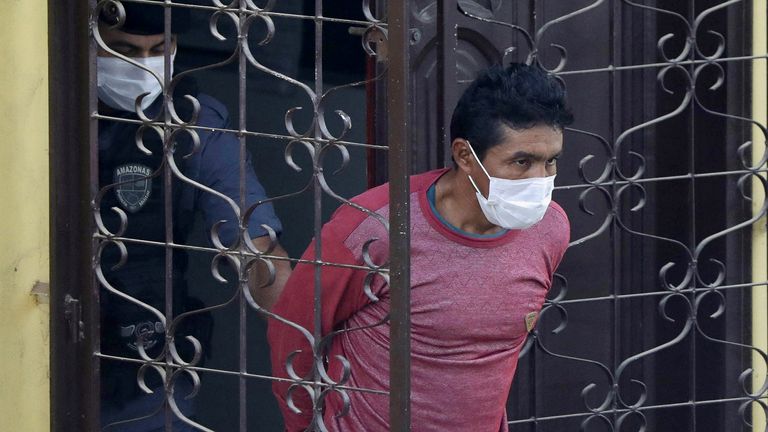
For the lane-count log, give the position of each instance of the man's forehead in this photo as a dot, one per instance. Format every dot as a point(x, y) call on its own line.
point(541, 139)
point(117, 35)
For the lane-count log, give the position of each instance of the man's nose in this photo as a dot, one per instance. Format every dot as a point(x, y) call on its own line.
point(539, 169)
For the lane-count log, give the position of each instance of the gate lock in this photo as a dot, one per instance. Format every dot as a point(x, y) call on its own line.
point(73, 314)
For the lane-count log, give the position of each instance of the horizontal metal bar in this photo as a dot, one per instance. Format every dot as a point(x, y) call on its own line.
point(237, 253)
point(386, 270)
point(264, 13)
point(660, 293)
point(612, 68)
point(640, 409)
point(689, 176)
point(237, 373)
point(239, 132)
point(324, 19)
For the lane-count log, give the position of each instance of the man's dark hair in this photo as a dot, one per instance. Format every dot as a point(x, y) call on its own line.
point(519, 96)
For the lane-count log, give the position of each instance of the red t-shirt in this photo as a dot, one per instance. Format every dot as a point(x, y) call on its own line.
point(470, 298)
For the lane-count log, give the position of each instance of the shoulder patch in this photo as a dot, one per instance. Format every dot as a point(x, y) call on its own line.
point(134, 185)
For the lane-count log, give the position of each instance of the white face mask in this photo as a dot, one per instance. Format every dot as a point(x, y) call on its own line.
point(514, 204)
point(120, 82)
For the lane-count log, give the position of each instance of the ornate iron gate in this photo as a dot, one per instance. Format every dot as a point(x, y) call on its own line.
point(648, 326)
point(310, 143)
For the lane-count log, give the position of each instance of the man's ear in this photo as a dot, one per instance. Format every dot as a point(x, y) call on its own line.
point(462, 155)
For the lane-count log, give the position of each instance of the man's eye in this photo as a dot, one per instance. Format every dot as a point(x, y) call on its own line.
point(552, 161)
point(124, 51)
point(521, 162)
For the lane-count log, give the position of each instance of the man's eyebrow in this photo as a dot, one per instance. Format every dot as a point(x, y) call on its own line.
point(123, 44)
point(527, 155)
point(522, 155)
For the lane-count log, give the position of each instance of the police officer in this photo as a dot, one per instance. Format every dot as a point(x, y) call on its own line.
point(132, 179)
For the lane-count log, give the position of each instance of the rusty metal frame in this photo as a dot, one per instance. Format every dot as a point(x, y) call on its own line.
point(74, 367)
point(78, 122)
point(73, 375)
point(399, 139)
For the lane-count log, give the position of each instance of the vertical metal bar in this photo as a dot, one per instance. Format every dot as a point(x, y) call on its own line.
point(530, 17)
point(692, 167)
point(92, 300)
point(614, 124)
point(73, 368)
point(167, 202)
point(530, 11)
point(399, 140)
point(242, 312)
point(318, 200)
point(447, 17)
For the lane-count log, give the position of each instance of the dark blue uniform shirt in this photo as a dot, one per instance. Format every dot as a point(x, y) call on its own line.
point(133, 180)
point(216, 165)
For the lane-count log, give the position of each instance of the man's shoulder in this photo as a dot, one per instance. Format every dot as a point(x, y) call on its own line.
point(376, 200)
point(556, 227)
point(350, 215)
point(559, 213)
point(378, 197)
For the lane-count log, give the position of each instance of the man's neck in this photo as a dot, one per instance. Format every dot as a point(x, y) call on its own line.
point(456, 202)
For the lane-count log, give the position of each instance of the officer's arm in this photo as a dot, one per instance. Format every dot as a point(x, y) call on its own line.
point(266, 295)
point(220, 170)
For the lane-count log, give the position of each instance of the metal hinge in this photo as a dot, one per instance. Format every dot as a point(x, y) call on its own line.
point(73, 313)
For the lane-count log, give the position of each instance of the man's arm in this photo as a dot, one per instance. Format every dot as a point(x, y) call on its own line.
point(266, 295)
point(342, 295)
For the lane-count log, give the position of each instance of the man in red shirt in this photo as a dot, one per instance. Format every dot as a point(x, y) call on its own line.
point(485, 242)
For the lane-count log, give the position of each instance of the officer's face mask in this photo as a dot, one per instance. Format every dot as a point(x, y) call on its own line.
point(120, 82)
point(514, 204)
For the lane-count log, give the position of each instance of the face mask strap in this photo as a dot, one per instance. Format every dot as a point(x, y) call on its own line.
point(478, 159)
point(481, 166)
point(474, 185)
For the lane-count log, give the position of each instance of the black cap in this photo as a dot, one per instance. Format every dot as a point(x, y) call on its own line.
point(143, 18)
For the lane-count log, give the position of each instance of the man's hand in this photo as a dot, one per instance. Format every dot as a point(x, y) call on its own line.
point(266, 296)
